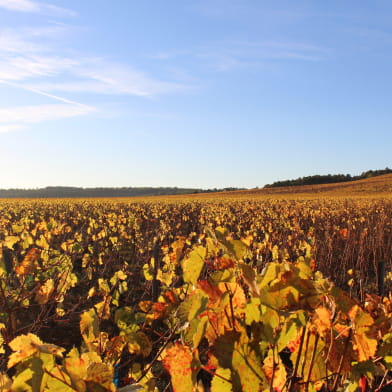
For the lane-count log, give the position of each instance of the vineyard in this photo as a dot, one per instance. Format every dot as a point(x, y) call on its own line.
point(219, 294)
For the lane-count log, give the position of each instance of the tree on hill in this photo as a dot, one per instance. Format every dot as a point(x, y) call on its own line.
point(328, 179)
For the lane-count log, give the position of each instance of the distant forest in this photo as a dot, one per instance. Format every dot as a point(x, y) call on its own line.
point(328, 179)
point(77, 192)
point(74, 192)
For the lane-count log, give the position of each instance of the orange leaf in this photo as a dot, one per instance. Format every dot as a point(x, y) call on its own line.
point(213, 292)
point(364, 336)
point(223, 263)
point(145, 306)
point(29, 263)
point(159, 310)
point(275, 369)
point(322, 320)
point(363, 383)
point(170, 296)
point(178, 361)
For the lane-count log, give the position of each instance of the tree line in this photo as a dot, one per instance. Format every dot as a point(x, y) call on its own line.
point(76, 192)
point(328, 178)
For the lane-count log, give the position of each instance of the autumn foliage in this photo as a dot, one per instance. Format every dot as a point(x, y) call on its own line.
point(107, 297)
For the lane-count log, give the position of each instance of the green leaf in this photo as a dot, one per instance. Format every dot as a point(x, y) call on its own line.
point(193, 265)
point(192, 306)
point(221, 233)
point(226, 275)
point(125, 320)
point(138, 343)
point(249, 276)
point(223, 348)
point(196, 331)
point(248, 376)
point(289, 332)
point(366, 368)
point(252, 311)
point(269, 274)
point(200, 332)
point(237, 248)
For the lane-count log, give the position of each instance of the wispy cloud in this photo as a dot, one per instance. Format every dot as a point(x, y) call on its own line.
point(35, 7)
point(18, 115)
point(30, 63)
point(14, 118)
point(21, 67)
point(44, 93)
point(99, 76)
point(22, 59)
point(227, 55)
point(14, 41)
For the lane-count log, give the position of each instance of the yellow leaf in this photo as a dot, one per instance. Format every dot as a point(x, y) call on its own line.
point(364, 333)
point(91, 292)
point(275, 369)
point(27, 345)
point(193, 265)
point(121, 275)
point(91, 357)
point(247, 365)
point(24, 347)
point(219, 384)
point(10, 241)
point(89, 327)
point(22, 381)
point(100, 375)
point(322, 320)
point(42, 242)
point(57, 381)
point(145, 306)
point(44, 292)
point(103, 308)
point(75, 365)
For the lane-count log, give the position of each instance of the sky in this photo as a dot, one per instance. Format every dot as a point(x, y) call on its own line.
point(192, 93)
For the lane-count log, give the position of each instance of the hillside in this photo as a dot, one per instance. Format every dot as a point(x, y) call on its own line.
point(377, 187)
point(380, 185)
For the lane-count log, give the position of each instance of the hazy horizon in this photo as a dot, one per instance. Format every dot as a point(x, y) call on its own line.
point(192, 94)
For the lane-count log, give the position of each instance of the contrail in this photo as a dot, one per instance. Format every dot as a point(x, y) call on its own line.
point(35, 90)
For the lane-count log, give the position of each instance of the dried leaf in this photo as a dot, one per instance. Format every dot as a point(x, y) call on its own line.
point(30, 262)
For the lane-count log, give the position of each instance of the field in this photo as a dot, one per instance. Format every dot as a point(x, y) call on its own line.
point(283, 289)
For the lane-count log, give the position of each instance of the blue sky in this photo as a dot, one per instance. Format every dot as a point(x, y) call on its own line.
point(206, 93)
